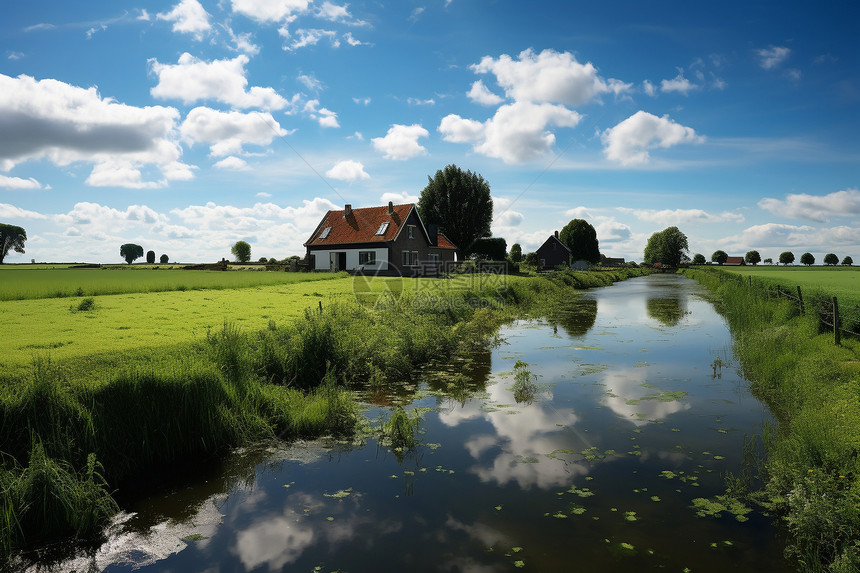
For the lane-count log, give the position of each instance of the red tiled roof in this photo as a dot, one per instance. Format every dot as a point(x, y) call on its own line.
point(360, 226)
point(444, 242)
point(734, 260)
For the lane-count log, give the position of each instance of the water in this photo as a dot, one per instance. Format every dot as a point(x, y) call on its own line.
point(638, 411)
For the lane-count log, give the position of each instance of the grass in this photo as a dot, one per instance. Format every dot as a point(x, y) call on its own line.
point(25, 283)
point(811, 471)
point(84, 415)
point(842, 282)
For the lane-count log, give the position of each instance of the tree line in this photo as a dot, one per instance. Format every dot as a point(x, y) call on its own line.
point(785, 258)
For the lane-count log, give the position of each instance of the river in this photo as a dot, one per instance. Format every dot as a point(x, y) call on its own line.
point(635, 411)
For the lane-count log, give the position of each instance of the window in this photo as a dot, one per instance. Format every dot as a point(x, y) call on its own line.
point(414, 258)
point(410, 259)
point(433, 257)
point(367, 257)
point(382, 228)
point(411, 229)
point(325, 233)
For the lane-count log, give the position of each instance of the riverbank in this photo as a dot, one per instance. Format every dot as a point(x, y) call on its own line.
point(810, 475)
point(68, 441)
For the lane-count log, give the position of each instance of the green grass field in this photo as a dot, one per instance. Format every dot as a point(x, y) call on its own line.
point(22, 282)
point(841, 282)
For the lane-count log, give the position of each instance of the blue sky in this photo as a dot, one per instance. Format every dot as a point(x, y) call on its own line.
point(185, 126)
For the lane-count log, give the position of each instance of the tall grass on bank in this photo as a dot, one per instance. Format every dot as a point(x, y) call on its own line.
point(65, 444)
point(811, 470)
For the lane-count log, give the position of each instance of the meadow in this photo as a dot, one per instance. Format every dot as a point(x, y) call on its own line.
point(841, 282)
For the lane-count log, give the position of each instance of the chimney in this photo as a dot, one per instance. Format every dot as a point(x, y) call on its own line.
point(556, 234)
point(347, 210)
point(390, 208)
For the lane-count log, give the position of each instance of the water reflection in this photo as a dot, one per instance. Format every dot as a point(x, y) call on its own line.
point(667, 311)
point(577, 319)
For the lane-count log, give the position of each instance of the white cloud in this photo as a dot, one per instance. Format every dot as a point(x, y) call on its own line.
point(8, 211)
point(310, 82)
point(629, 141)
point(773, 56)
point(335, 13)
point(482, 95)
point(516, 133)
point(612, 231)
point(232, 163)
point(402, 198)
point(263, 194)
point(65, 124)
point(416, 101)
point(649, 88)
point(243, 42)
point(311, 37)
point(682, 216)
point(416, 14)
point(18, 183)
point(549, 76)
point(228, 132)
point(819, 208)
point(269, 10)
point(348, 170)
point(401, 142)
point(365, 101)
point(192, 80)
point(188, 17)
point(775, 235)
point(352, 41)
point(678, 84)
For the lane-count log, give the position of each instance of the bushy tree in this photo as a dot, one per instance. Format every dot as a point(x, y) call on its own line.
point(460, 203)
point(581, 238)
point(786, 258)
point(752, 258)
point(719, 257)
point(807, 259)
point(530, 259)
point(768, 261)
point(831, 259)
point(262, 260)
point(130, 252)
point(11, 237)
point(848, 261)
point(490, 249)
point(516, 253)
point(699, 259)
point(667, 247)
point(150, 257)
point(164, 259)
point(242, 251)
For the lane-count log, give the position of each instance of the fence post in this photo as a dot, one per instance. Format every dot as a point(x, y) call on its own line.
point(800, 297)
point(836, 330)
point(778, 292)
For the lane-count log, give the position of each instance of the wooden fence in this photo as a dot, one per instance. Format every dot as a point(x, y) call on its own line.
point(826, 307)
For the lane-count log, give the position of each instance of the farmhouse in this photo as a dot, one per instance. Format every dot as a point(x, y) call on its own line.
point(734, 261)
point(385, 240)
point(552, 253)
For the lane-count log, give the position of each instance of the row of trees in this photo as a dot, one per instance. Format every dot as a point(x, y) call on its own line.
point(785, 258)
point(131, 252)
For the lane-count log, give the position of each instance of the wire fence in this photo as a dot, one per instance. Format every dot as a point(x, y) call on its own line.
point(841, 321)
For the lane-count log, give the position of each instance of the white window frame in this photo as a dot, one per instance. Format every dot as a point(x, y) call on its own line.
point(366, 257)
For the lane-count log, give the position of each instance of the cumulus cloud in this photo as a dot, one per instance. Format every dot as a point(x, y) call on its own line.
point(401, 142)
point(232, 163)
point(678, 84)
point(517, 133)
point(629, 141)
point(65, 124)
point(815, 207)
point(775, 235)
point(8, 211)
point(310, 37)
point(188, 17)
point(402, 198)
point(682, 216)
point(347, 170)
point(772, 57)
point(482, 95)
point(325, 117)
point(550, 76)
point(191, 80)
point(228, 132)
point(269, 11)
point(18, 183)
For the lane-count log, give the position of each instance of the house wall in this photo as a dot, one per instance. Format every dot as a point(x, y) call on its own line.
point(552, 253)
point(322, 258)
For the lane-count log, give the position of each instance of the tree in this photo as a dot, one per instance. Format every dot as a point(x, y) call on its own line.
point(530, 259)
point(516, 253)
point(150, 257)
point(460, 203)
point(768, 261)
point(164, 259)
point(242, 251)
point(752, 258)
point(786, 258)
point(667, 247)
point(848, 261)
point(490, 249)
point(831, 259)
point(807, 259)
point(719, 257)
point(11, 237)
point(699, 259)
point(581, 238)
point(130, 252)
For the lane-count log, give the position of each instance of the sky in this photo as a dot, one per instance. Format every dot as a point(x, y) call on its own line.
point(187, 125)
